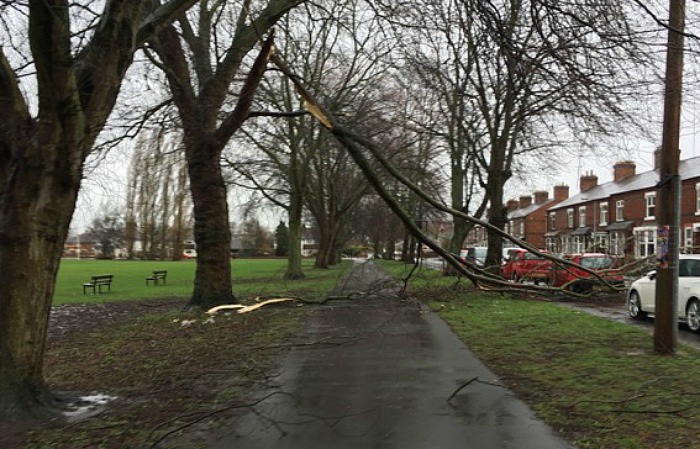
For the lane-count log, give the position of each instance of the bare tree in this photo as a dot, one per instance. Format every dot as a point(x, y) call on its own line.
point(202, 58)
point(292, 163)
point(158, 199)
point(509, 75)
point(78, 73)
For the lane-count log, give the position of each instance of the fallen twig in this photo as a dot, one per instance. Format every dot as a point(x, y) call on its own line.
point(469, 382)
point(204, 415)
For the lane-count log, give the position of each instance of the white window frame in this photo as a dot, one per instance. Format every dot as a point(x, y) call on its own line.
point(552, 221)
point(617, 243)
point(582, 216)
point(522, 228)
point(570, 217)
point(687, 239)
point(580, 244)
point(645, 241)
point(600, 240)
point(649, 205)
point(697, 198)
point(620, 210)
point(567, 244)
point(603, 210)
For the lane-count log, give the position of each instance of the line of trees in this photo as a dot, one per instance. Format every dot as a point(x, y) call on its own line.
point(433, 96)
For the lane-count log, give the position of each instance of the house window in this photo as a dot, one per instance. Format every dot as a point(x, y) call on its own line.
point(617, 243)
point(522, 228)
point(697, 199)
point(600, 242)
point(567, 244)
point(552, 221)
point(646, 241)
point(619, 210)
point(582, 216)
point(688, 240)
point(570, 218)
point(579, 244)
point(650, 202)
point(603, 214)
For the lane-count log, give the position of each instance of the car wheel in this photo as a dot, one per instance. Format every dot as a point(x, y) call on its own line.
point(634, 305)
point(692, 315)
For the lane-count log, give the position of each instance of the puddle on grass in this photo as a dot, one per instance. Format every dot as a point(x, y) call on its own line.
point(85, 407)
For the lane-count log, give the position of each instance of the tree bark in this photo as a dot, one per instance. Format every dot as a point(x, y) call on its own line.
point(41, 167)
point(212, 285)
point(37, 205)
point(294, 270)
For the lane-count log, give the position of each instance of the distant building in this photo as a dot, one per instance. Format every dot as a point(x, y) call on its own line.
point(79, 247)
point(619, 217)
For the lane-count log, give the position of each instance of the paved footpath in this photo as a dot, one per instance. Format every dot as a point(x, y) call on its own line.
point(380, 372)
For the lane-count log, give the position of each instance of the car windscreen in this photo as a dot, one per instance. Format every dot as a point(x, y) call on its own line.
point(597, 263)
point(532, 256)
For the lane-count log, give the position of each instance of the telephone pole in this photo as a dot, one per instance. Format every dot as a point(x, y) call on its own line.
point(668, 193)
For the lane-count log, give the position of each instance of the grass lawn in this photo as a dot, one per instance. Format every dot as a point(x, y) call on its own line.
point(251, 277)
point(595, 381)
point(135, 347)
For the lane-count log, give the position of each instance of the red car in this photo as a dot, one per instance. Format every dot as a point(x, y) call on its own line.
point(579, 281)
point(524, 265)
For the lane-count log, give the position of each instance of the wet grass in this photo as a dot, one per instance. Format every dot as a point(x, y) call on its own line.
point(420, 278)
point(595, 381)
point(163, 375)
point(167, 368)
point(251, 277)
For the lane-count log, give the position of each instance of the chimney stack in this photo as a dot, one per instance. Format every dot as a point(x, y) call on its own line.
point(623, 170)
point(511, 205)
point(588, 181)
point(561, 192)
point(525, 201)
point(657, 157)
point(541, 196)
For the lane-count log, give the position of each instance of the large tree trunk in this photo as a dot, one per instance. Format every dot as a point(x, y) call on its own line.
point(37, 203)
point(461, 228)
point(323, 249)
point(212, 235)
point(497, 216)
point(41, 166)
point(294, 258)
point(329, 228)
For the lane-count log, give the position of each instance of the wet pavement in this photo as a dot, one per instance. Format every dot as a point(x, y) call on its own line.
point(381, 372)
point(621, 315)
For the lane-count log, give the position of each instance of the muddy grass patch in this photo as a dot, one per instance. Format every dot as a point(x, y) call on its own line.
point(161, 368)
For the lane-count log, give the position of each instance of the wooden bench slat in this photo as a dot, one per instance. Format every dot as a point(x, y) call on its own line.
point(97, 282)
point(157, 276)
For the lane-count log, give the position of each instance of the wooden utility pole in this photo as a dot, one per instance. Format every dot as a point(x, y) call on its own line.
point(665, 324)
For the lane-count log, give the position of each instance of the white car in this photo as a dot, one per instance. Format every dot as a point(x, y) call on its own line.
point(642, 293)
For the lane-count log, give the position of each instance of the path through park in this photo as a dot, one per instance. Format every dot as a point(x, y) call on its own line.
point(378, 371)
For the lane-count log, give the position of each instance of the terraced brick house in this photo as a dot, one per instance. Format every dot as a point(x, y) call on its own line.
point(527, 220)
point(619, 217)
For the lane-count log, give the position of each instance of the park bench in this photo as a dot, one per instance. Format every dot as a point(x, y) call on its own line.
point(157, 276)
point(97, 282)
